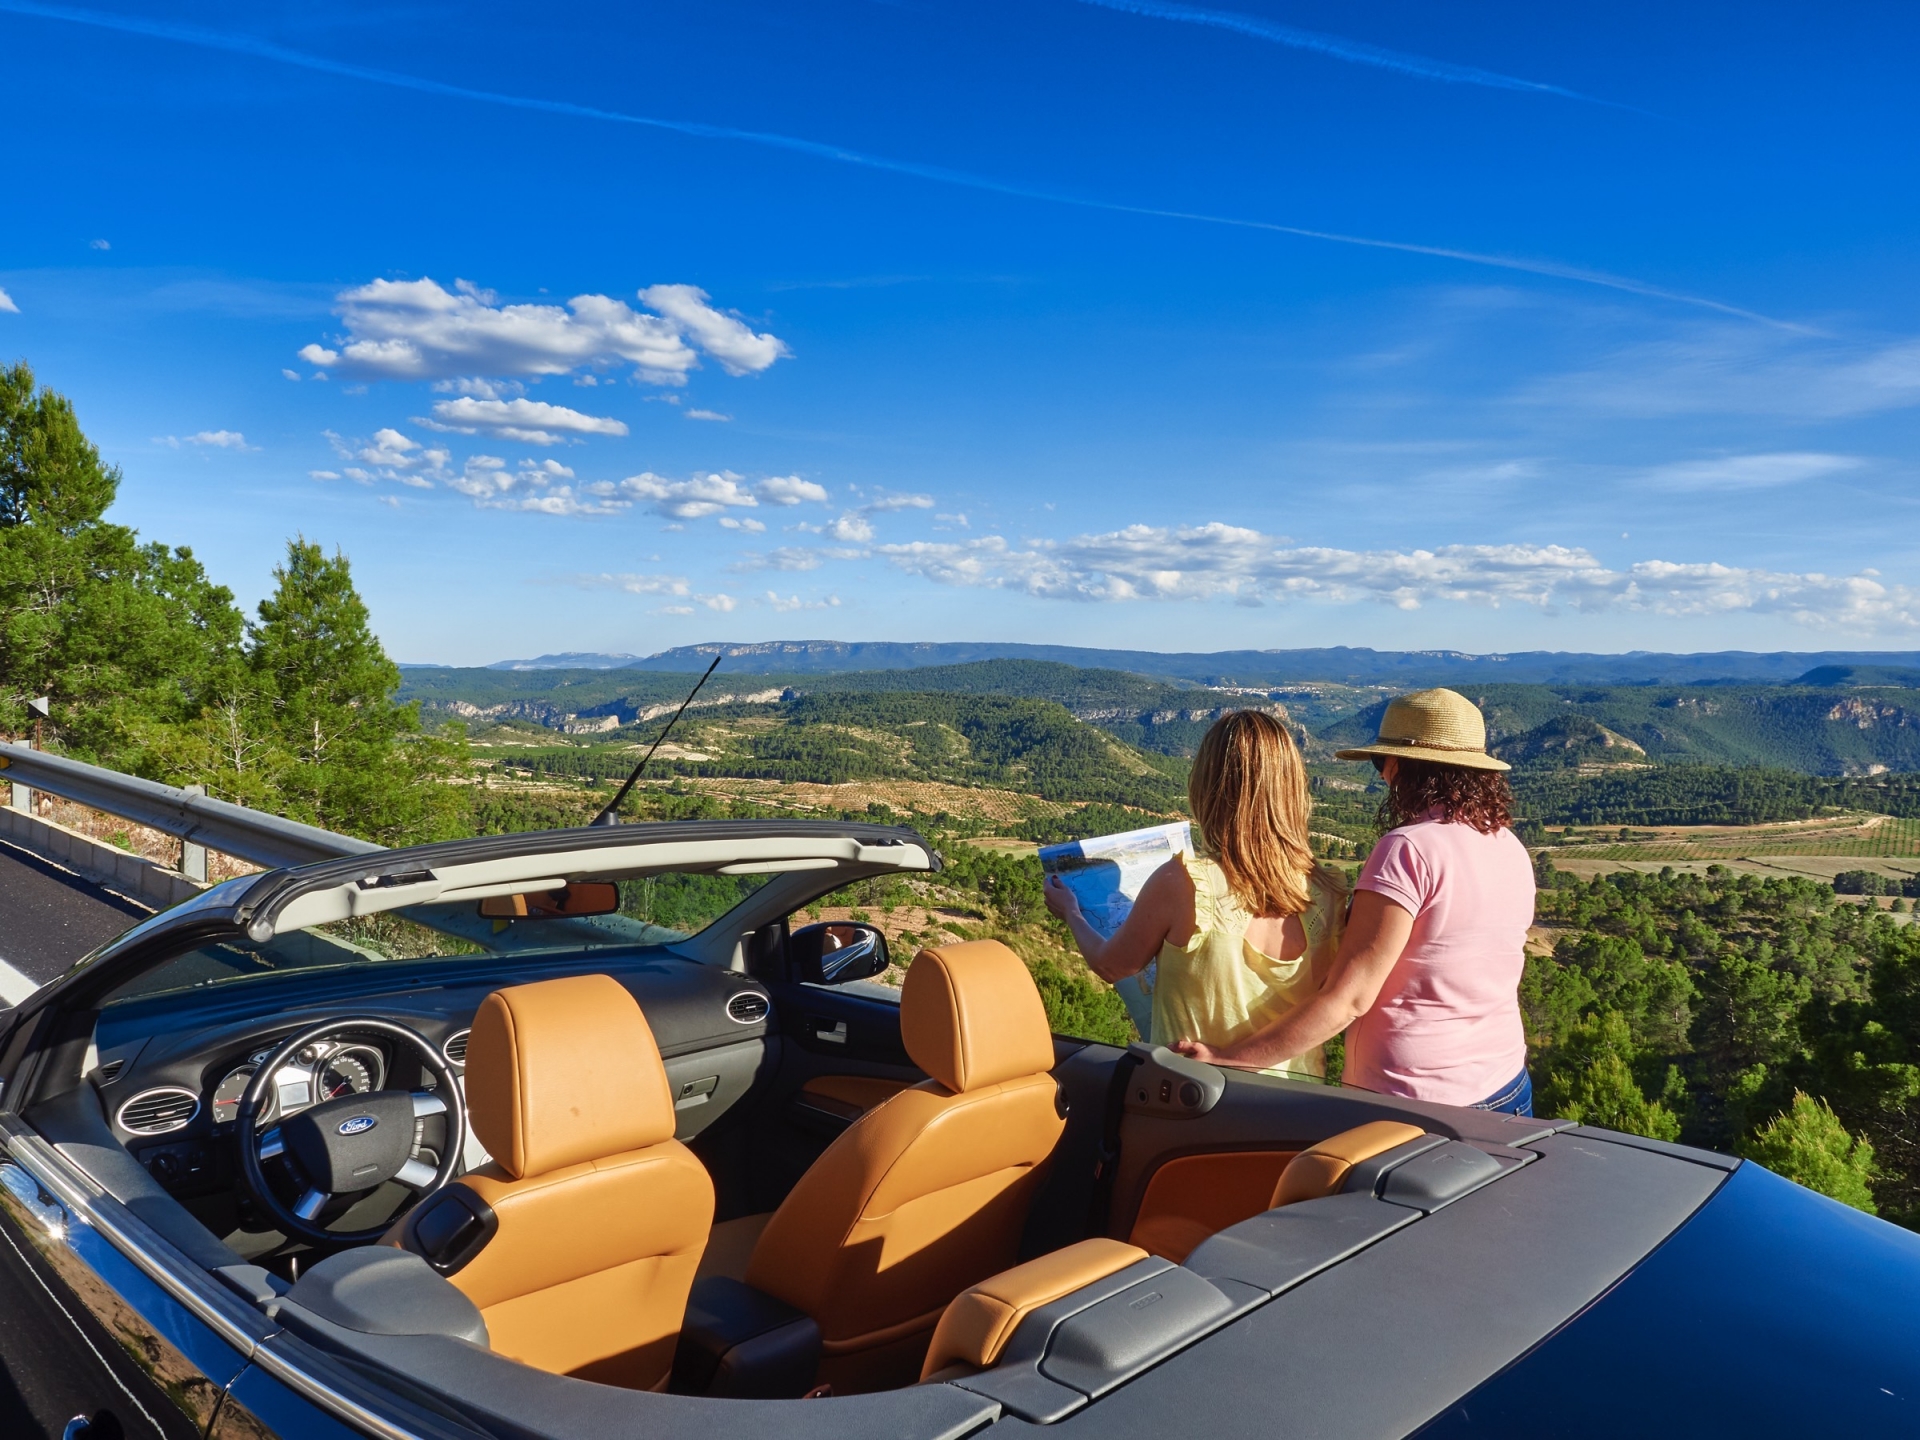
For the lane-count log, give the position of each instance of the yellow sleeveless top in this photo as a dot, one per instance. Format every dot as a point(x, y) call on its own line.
point(1217, 988)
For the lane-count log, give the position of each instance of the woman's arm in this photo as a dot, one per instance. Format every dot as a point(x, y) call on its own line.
point(1376, 934)
point(1163, 907)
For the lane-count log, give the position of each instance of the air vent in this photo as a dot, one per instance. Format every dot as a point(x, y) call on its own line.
point(110, 1072)
point(156, 1112)
point(747, 1007)
point(456, 1048)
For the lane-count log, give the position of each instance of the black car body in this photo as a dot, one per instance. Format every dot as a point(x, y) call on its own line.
point(1499, 1276)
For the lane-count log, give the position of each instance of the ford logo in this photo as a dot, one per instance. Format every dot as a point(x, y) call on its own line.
point(358, 1125)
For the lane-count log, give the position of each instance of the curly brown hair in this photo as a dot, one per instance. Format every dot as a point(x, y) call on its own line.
point(1479, 798)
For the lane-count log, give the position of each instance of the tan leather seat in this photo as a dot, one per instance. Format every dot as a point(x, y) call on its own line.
point(1323, 1168)
point(928, 1192)
point(979, 1321)
point(602, 1214)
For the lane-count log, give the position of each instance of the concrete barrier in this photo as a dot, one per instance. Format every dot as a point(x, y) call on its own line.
point(133, 876)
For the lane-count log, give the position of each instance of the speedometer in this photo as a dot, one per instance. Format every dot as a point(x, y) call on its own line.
point(226, 1099)
point(346, 1073)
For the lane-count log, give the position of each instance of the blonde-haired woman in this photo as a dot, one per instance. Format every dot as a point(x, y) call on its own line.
point(1247, 930)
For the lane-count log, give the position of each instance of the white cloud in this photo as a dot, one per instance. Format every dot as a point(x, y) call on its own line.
point(1741, 370)
point(693, 499)
point(790, 490)
point(7, 307)
point(480, 388)
point(293, 375)
point(851, 528)
point(787, 557)
point(1215, 561)
point(1749, 472)
point(417, 330)
point(886, 503)
point(727, 339)
point(710, 494)
point(956, 521)
point(636, 584)
point(99, 245)
point(792, 603)
point(721, 603)
point(207, 439)
point(533, 422)
point(324, 474)
point(709, 415)
point(749, 524)
point(541, 487)
point(392, 456)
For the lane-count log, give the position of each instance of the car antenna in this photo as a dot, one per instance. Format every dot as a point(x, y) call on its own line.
point(611, 815)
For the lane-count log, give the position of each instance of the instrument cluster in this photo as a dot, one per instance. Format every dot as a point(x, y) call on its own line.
point(327, 1070)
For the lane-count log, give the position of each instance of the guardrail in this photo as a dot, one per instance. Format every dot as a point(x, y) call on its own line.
point(196, 820)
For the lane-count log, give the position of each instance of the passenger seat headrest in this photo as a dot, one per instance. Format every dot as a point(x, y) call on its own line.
point(970, 1016)
point(562, 1072)
point(1322, 1169)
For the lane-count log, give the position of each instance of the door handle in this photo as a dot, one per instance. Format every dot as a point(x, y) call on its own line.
point(836, 1033)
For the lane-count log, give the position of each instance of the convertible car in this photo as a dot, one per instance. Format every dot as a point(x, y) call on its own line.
point(590, 1133)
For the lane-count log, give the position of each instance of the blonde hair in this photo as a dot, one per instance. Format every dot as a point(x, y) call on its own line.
point(1248, 791)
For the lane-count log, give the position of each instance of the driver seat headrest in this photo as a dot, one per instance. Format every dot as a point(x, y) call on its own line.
point(562, 1072)
point(971, 1016)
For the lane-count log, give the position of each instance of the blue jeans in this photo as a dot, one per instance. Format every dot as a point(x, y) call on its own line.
point(1513, 1098)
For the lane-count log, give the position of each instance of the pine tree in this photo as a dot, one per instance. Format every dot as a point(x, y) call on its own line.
point(319, 687)
point(119, 635)
point(1588, 1077)
point(1808, 1144)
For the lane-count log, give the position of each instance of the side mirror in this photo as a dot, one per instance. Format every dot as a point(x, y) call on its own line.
point(569, 902)
point(836, 951)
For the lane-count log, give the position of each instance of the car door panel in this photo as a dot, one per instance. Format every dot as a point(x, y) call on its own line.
point(86, 1331)
point(839, 1055)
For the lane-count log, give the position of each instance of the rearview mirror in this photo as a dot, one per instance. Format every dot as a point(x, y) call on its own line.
point(837, 951)
point(569, 902)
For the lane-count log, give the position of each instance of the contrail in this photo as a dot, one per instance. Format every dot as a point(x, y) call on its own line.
point(1355, 51)
point(281, 54)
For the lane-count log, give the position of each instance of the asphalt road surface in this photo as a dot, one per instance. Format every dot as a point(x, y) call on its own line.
point(49, 918)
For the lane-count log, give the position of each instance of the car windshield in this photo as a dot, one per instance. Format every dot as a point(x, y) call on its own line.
point(657, 909)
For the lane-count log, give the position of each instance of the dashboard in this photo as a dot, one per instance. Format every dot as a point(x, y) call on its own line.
point(171, 1070)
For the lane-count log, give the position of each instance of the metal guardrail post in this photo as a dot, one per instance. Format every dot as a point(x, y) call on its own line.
point(193, 858)
point(22, 795)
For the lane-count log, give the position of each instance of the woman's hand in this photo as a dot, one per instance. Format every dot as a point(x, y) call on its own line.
point(1196, 1050)
point(1060, 900)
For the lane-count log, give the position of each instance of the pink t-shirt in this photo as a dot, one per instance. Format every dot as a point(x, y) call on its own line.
point(1447, 1024)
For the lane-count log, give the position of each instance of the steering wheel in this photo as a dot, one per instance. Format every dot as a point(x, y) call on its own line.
point(344, 1146)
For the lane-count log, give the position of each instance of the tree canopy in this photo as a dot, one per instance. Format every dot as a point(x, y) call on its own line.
point(152, 668)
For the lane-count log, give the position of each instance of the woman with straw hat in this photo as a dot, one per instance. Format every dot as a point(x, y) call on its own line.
point(1428, 974)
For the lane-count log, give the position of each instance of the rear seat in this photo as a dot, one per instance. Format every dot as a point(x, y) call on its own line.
point(1046, 1337)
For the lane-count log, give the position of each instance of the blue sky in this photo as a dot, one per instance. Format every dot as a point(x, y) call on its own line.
point(615, 327)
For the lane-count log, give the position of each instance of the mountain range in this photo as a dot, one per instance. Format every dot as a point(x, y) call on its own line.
point(1343, 665)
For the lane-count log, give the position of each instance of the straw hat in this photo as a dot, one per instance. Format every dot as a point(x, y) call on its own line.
point(1434, 725)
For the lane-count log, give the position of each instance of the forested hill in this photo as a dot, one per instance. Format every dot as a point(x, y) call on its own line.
point(1835, 729)
point(1815, 730)
point(1034, 747)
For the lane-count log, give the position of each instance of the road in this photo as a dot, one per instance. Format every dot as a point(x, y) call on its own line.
point(49, 918)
